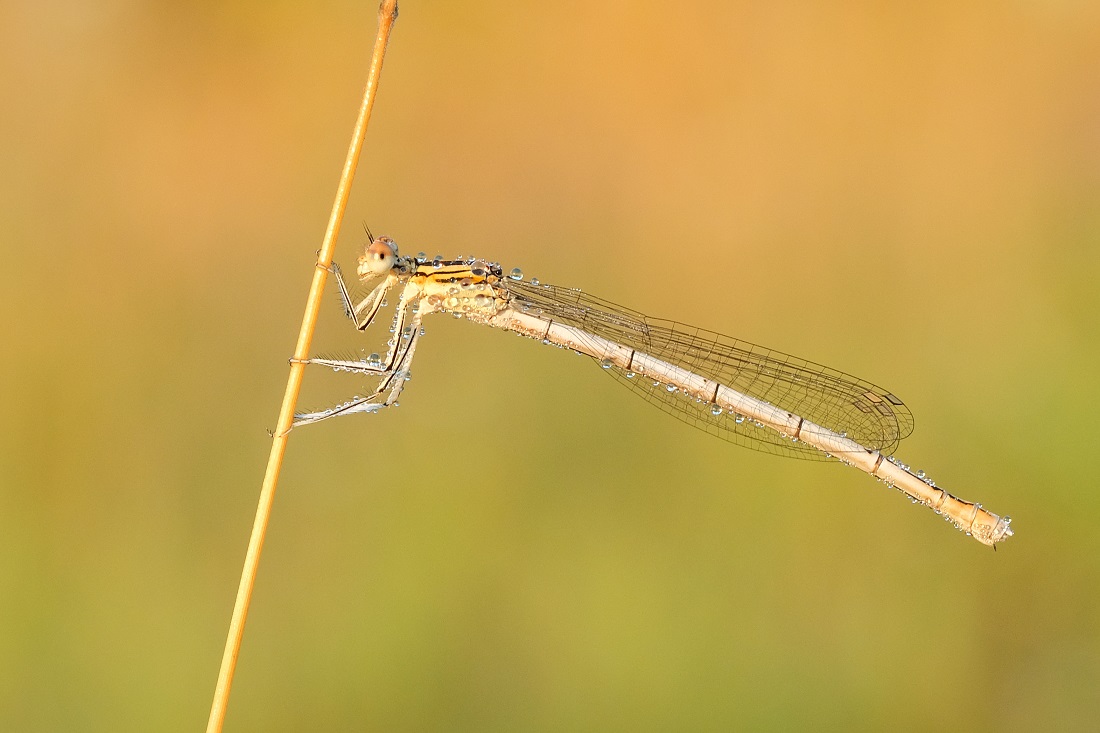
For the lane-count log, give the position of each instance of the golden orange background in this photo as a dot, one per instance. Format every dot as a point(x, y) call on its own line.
point(909, 193)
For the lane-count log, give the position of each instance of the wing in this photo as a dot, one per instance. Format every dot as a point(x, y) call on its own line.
point(840, 402)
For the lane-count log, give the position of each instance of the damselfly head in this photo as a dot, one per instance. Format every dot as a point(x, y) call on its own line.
point(378, 258)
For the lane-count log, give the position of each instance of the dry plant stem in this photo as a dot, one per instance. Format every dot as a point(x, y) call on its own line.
point(387, 14)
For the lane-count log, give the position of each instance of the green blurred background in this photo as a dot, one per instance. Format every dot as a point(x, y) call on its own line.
point(907, 193)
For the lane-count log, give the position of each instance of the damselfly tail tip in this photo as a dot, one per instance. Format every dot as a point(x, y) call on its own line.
point(993, 534)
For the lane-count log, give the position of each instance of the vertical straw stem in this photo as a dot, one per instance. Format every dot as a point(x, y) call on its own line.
point(387, 14)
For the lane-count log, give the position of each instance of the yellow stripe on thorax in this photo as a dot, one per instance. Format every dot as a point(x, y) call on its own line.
point(458, 288)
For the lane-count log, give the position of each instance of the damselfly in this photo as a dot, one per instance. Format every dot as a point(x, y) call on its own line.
point(749, 395)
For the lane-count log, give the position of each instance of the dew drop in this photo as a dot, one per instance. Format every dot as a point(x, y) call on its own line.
point(535, 281)
point(605, 363)
point(516, 274)
point(715, 410)
point(374, 360)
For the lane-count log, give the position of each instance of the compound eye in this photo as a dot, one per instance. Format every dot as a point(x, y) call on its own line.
point(380, 256)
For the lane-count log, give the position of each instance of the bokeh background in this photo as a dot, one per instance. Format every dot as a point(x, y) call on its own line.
point(904, 192)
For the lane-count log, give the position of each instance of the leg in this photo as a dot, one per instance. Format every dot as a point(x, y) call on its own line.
point(362, 315)
point(392, 375)
point(401, 330)
point(370, 305)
